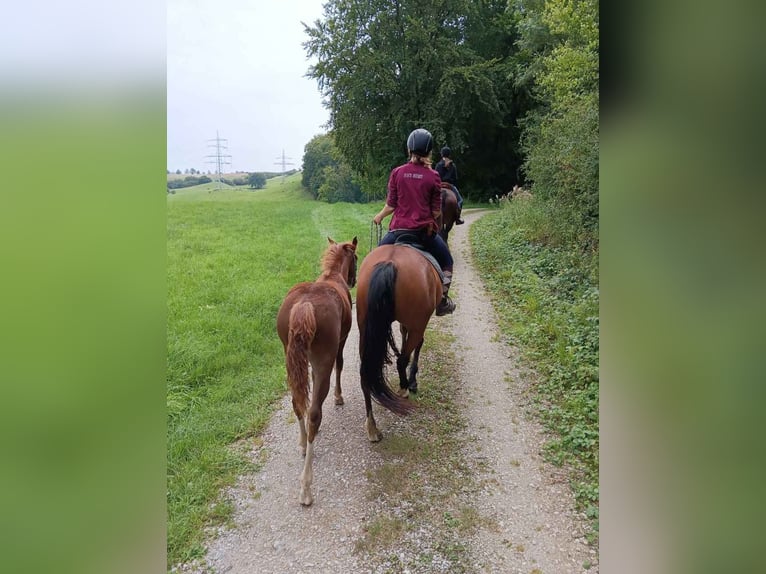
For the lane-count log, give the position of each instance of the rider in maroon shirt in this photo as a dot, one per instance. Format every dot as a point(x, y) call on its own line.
point(414, 197)
point(414, 191)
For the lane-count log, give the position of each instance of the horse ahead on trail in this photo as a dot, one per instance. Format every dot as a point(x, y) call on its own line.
point(396, 283)
point(313, 324)
point(450, 211)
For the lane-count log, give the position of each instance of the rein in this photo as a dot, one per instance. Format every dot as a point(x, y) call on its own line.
point(378, 234)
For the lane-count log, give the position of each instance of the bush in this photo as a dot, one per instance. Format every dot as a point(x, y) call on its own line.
point(562, 159)
point(339, 185)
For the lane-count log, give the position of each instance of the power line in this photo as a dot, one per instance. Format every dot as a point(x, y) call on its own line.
point(284, 163)
point(220, 159)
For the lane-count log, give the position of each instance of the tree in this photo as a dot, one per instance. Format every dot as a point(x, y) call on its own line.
point(561, 135)
point(256, 180)
point(317, 155)
point(386, 68)
point(178, 172)
point(339, 185)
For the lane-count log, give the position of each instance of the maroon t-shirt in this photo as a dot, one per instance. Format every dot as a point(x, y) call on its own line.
point(414, 191)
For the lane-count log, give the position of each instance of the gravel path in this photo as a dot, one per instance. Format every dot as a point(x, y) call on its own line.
point(530, 524)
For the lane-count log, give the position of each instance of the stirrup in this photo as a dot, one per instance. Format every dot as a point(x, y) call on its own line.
point(445, 307)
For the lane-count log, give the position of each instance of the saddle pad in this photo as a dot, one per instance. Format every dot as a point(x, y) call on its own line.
point(431, 259)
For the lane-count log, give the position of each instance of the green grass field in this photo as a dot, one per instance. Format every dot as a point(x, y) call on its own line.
point(232, 255)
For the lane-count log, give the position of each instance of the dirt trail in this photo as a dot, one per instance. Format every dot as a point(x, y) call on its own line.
point(528, 522)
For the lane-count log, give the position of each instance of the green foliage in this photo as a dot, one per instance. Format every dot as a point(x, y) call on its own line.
point(563, 159)
point(188, 181)
point(547, 299)
point(560, 42)
point(256, 180)
point(326, 174)
point(317, 154)
point(386, 68)
point(339, 185)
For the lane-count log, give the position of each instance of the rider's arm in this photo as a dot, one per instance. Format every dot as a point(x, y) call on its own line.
point(385, 212)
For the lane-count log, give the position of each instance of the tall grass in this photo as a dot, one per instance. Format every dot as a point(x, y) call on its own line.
point(232, 255)
point(543, 275)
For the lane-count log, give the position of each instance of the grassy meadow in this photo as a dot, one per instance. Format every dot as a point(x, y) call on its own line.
point(232, 255)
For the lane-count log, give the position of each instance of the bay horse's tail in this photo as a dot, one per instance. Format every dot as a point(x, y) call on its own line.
point(378, 335)
point(302, 328)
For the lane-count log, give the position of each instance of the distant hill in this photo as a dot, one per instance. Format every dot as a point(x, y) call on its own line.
point(231, 176)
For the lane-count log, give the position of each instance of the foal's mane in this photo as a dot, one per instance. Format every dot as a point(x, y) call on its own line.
point(333, 258)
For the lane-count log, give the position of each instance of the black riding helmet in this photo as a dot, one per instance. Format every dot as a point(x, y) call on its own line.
point(420, 142)
point(446, 152)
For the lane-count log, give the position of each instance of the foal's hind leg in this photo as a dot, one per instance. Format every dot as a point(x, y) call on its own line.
point(301, 428)
point(321, 388)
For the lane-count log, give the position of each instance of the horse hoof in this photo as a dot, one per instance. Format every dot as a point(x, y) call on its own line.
point(403, 393)
point(306, 499)
point(375, 437)
point(414, 389)
point(338, 400)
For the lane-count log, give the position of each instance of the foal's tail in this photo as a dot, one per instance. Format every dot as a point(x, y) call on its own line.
point(302, 328)
point(377, 338)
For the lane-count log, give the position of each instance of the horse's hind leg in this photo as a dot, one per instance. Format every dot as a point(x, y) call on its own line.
point(401, 367)
point(413, 381)
point(301, 428)
point(321, 388)
point(414, 343)
point(338, 370)
point(401, 363)
point(370, 425)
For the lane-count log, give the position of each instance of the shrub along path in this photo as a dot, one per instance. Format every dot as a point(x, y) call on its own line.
point(459, 486)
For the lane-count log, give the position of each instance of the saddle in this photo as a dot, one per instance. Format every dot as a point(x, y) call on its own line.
point(412, 240)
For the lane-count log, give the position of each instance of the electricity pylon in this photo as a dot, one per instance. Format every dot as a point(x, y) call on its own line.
point(220, 159)
point(284, 163)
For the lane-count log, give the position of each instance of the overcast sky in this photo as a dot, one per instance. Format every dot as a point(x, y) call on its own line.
point(238, 67)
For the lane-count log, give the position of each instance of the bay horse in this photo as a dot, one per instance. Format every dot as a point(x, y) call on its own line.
point(313, 324)
point(450, 211)
point(396, 283)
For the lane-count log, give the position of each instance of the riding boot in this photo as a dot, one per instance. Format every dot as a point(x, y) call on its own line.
point(446, 305)
point(459, 220)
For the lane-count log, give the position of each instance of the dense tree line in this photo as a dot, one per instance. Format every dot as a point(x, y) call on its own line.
point(326, 174)
point(511, 86)
point(255, 180)
point(188, 181)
